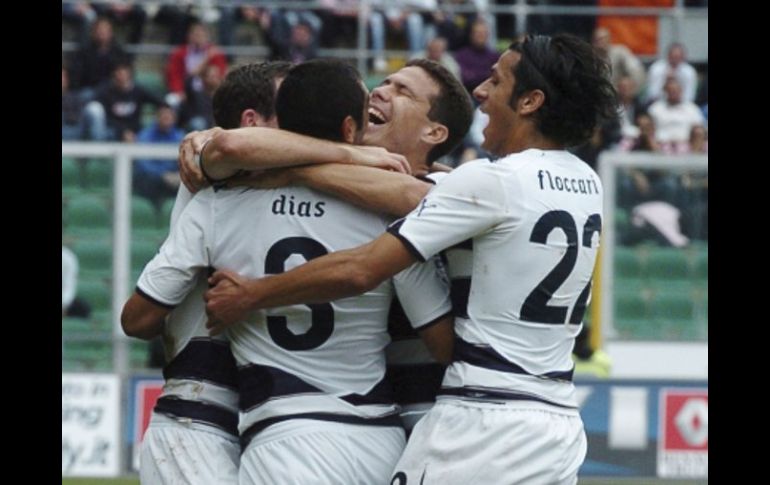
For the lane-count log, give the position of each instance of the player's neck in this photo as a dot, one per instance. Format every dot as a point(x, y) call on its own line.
point(419, 164)
point(518, 142)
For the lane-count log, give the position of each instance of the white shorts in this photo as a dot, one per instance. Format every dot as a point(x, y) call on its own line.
point(187, 454)
point(309, 452)
point(521, 443)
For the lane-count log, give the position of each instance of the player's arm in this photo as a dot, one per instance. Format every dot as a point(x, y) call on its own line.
point(223, 153)
point(370, 188)
point(330, 277)
point(439, 337)
point(143, 318)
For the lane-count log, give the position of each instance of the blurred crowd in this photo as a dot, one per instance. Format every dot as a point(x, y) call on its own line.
point(663, 105)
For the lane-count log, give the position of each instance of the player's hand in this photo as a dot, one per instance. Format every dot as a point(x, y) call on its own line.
point(226, 301)
point(379, 157)
point(189, 158)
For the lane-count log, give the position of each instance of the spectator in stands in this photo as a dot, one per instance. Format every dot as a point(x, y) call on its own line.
point(177, 20)
point(674, 117)
point(71, 305)
point(436, 50)
point(117, 107)
point(158, 180)
point(93, 62)
point(402, 17)
point(476, 60)
point(189, 60)
point(300, 48)
point(630, 106)
point(694, 200)
point(72, 107)
point(699, 139)
point(82, 16)
point(622, 61)
point(674, 65)
point(637, 186)
point(196, 113)
point(125, 12)
point(340, 23)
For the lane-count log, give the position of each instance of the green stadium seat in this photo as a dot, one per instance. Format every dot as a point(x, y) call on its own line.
point(97, 293)
point(93, 255)
point(151, 80)
point(75, 325)
point(139, 354)
point(143, 215)
point(142, 252)
point(99, 173)
point(702, 266)
point(87, 211)
point(87, 355)
point(668, 263)
point(673, 307)
point(622, 221)
point(628, 263)
point(70, 173)
point(102, 320)
point(630, 305)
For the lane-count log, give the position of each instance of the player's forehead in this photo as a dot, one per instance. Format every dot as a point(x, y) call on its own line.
point(504, 66)
point(416, 80)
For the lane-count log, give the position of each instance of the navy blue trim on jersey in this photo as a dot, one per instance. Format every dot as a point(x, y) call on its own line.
point(467, 244)
point(381, 393)
point(259, 383)
point(489, 358)
point(392, 420)
point(199, 412)
point(459, 293)
point(415, 383)
point(204, 359)
point(496, 395)
point(153, 300)
point(424, 178)
point(393, 229)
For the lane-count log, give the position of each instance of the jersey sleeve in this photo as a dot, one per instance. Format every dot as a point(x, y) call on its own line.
point(466, 202)
point(423, 291)
point(172, 273)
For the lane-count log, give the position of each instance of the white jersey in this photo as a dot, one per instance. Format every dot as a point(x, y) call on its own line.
point(321, 361)
point(201, 377)
point(415, 374)
point(535, 219)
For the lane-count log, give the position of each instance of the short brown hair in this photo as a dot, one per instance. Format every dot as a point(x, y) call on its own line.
point(452, 107)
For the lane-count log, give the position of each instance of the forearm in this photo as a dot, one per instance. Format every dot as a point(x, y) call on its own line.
point(336, 275)
point(367, 187)
point(257, 148)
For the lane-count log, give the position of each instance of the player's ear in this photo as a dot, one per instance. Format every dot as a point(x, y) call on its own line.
point(250, 117)
point(530, 101)
point(349, 129)
point(435, 134)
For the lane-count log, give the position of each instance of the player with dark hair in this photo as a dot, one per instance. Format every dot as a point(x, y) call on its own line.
point(507, 411)
point(422, 111)
point(199, 402)
point(313, 378)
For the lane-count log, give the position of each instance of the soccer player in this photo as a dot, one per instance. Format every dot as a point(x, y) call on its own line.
point(507, 411)
point(192, 435)
point(421, 110)
point(311, 378)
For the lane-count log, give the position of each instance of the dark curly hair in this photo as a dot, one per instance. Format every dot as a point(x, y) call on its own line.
point(250, 86)
point(452, 107)
point(575, 80)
